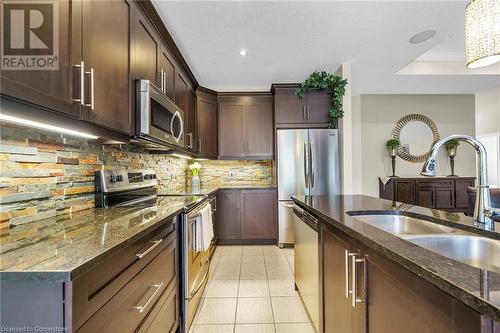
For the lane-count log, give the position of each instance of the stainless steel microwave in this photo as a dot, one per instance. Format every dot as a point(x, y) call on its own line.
point(159, 120)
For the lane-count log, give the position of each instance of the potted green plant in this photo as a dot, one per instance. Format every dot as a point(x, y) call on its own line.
point(451, 148)
point(334, 85)
point(392, 147)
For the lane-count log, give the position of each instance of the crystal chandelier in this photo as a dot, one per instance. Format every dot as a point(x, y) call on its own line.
point(482, 33)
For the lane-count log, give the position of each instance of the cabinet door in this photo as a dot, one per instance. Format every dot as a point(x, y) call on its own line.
point(190, 122)
point(168, 68)
point(426, 197)
point(228, 219)
point(232, 129)
point(258, 214)
point(181, 91)
point(405, 191)
point(207, 126)
point(106, 53)
point(145, 49)
point(400, 301)
point(461, 196)
point(444, 198)
point(334, 250)
point(318, 104)
point(259, 129)
point(289, 108)
point(53, 89)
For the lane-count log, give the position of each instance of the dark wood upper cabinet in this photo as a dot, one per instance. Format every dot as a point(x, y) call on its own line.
point(181, 91)
point(318, 104)
point(106, 54)
point(206, 111)
point(258, 214)
point(232, 140)
point(292, 111)
point(245, 126)
point(145, 49)
point(167, 69)
point(53, 89)
point(190, 133)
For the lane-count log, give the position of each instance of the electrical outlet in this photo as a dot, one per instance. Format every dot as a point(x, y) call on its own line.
point(232, 174)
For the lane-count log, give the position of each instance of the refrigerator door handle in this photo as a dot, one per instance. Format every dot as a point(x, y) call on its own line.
point(311, 165)
point(306, 164)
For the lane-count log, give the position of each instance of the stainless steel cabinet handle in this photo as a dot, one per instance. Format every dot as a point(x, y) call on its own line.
point(164, 82)
point(82, 83)
point(304, 112)
point(162, 88)
point(347, 254)
point(354, 298)
point(287, 205)
point(311, 165)
point(308, 112)
point(156, 243)
point(143, 307)
point(306, 165)
point(190, 136)
point(91, 73)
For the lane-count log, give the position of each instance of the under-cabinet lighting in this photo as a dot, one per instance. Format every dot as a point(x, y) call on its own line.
point(182, 156)
point(36, 124)
point(201, 159)
point(243, 52)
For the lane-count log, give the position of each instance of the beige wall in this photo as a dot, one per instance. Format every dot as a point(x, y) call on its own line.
point(453, 114)
point(488, 111)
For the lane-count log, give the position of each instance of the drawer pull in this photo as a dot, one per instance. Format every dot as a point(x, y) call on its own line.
point(156, 243)
point(150, 299)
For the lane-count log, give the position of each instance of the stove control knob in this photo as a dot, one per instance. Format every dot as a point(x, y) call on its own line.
point(112, 178)
point(119, 178)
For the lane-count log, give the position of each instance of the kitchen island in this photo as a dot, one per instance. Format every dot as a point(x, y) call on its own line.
point(375, 280)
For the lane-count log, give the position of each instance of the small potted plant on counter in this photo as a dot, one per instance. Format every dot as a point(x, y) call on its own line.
point(392, 147)
point(195, 171)
point(451, 149)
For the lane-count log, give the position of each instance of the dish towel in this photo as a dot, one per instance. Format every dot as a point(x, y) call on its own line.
point(384, 180)
point(204, 230)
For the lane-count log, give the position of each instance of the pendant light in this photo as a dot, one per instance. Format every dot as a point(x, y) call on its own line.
point(482, 33)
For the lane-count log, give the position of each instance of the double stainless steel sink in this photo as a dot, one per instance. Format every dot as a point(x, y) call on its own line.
point(459, 245)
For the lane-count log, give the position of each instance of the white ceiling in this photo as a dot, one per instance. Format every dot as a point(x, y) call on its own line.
point(287, 40)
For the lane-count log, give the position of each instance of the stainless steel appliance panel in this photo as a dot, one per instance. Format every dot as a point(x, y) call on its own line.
point(306, 261)
point(324, 162)
point(292, 151)
point(285, 216)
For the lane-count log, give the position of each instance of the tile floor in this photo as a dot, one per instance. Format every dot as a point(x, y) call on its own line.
point(251, 289)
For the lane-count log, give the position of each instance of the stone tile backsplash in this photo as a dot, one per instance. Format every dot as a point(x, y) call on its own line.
point(44, 174)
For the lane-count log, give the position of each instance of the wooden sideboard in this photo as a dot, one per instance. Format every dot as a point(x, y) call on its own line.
point(445, 193)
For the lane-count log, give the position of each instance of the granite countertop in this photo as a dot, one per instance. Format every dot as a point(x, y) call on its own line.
point(480, 289)
point(65, 246)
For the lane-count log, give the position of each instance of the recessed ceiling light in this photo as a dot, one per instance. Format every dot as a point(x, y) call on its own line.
point(243, 52)
point(422, 36)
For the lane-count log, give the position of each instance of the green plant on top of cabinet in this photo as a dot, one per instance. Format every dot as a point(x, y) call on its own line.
point(245, 126)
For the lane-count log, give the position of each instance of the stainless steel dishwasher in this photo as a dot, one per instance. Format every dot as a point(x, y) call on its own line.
point(306, 255)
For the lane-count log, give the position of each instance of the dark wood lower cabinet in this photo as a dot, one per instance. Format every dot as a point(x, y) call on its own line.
point(247, 216)
point(444, 193)
point(389, 298)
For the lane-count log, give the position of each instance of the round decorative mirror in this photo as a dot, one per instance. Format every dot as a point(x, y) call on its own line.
point(417, 133)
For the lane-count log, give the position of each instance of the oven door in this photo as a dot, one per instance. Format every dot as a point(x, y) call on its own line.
point(159, 117)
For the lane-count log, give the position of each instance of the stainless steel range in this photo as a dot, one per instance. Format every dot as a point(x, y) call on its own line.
point(138, 188)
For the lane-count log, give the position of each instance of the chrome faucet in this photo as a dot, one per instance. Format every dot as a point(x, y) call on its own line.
point(483, 214)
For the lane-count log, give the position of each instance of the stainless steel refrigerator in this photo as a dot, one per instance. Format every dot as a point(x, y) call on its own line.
point(308, 164)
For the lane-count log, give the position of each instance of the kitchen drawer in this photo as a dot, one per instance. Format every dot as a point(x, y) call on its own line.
point(164, 318)
point(129, 307)
point(93, 289)
point(434, 183)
